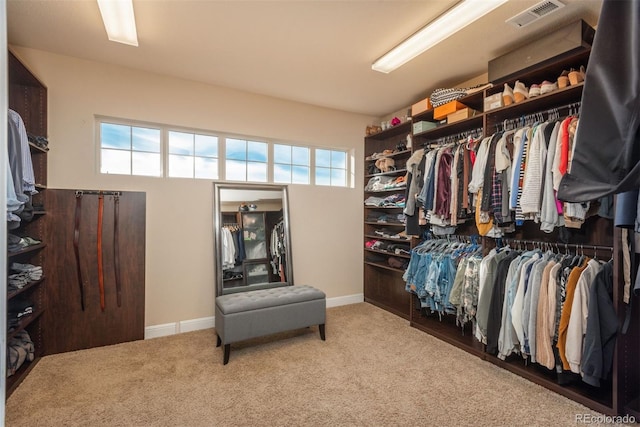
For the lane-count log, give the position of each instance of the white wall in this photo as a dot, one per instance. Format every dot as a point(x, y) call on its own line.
point(326, 222)
point(4, 104)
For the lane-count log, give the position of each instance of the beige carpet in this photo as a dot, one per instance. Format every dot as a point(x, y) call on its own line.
point(373, 370)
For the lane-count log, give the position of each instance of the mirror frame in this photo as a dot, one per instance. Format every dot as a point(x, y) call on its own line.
point(217, 224)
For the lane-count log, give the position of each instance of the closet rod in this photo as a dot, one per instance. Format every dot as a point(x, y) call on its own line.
point(461, 238)
point(94, 192)
point(565, 245)
point(573, 109)
point(476, 133)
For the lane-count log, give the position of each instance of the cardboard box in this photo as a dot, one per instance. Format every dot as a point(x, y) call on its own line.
point(443, 111)
point(423, 126)
point(421, 106)
point(492, 102)
point(462, 114)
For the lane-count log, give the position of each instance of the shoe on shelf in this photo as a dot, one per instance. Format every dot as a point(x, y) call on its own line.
point(547, 86)
point(576, 77)
point(534, 90)
point(520, 91)
point(507, 95)
point(563, 79)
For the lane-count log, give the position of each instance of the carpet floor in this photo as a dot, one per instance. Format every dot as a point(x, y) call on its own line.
point(373, 370)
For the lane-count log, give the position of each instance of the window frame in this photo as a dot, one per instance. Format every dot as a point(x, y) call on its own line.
point(270, 143)
point(347, 155)
point(194, 156)
point(291, 164)
point(131, 124)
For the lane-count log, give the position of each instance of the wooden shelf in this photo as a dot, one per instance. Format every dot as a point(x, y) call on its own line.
point(26, 250)
point(388, 190)
point(397, 130)
point(392, 155)
point(388, 253)
point(390, 173)
point(14, 380)
point(25, 322)
point(25, 288)
point(475, 122)
point(36, 148)
point(374, 236)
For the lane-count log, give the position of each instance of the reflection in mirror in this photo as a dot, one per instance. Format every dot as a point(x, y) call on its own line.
point(252, 241)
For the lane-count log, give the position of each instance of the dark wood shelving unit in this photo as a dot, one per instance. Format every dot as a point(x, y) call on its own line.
point(383, 284)
point(28, 97)
point(620, 395)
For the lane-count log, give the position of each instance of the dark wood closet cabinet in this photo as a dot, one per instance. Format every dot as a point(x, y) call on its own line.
point(383, 284)
point(27, 96)
point(385, 287)
point(58, 322)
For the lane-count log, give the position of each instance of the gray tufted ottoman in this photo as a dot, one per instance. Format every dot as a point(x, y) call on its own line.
point(252, 314)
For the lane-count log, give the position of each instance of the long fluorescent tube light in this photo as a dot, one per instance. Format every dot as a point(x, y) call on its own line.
point(119, 21)
point(452, 21)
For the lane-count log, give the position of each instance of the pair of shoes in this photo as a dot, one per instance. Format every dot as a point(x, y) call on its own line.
point(547, 86)
point(563, 79)
point(520, 91)
point(544, 87)
point(518, 94)
point(534, 90)
point(507, 95)
point(576, 77)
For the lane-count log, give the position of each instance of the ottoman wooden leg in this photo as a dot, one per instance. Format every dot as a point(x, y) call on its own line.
point(321, 327)
point(227, 350)
point(219, 341)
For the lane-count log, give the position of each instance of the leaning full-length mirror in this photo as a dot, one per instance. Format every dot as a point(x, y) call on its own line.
point(252, 237)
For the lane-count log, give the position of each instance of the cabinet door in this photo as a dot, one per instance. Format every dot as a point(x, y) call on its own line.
point(68, 327)
point(254, 235)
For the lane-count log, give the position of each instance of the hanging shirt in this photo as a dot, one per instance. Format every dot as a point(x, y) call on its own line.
point(577, 326)
point(532, 185)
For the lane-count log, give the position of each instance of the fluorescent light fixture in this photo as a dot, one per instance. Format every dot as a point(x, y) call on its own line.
point(119, 21)
point(451, 22)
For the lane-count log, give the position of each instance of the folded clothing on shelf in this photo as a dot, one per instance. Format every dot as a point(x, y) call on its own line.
point(19, 307)
point(20, 348)
point(16, 243)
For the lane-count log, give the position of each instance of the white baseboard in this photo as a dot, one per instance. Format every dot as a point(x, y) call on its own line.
point(157, 331)
point(197, 324)
point(345, 300)
point(163, 330)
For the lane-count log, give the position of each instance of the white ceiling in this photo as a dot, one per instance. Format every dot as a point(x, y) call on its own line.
point(313, 51)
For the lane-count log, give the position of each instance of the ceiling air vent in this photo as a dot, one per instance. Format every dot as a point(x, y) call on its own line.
point(534, 13)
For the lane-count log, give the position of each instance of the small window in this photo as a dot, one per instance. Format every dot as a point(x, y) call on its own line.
point(129, 150)
point(291, 164)
point(331, 167)
point(193, 155)
point(245, 160)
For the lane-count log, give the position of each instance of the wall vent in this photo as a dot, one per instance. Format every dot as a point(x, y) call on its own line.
point(534, 13)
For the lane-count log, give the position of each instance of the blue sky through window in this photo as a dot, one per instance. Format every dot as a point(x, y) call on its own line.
point(140, 150)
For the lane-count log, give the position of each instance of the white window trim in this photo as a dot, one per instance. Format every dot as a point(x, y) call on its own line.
point(222, 138)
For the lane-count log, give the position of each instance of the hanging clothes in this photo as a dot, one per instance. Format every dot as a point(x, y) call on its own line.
point(443, 274)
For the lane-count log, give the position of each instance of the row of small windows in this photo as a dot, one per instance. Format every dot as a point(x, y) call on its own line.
point(134, 150)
